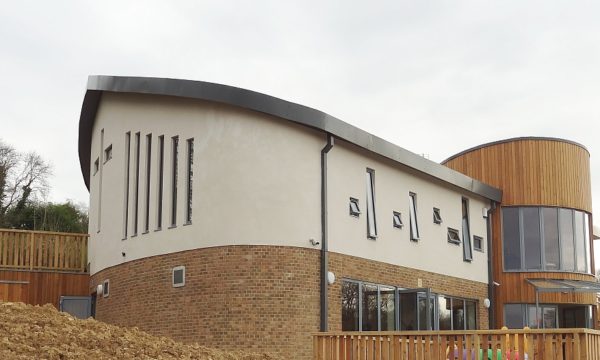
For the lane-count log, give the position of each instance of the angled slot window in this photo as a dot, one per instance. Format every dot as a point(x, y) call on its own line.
point(354, 208)
point(148, 171)
point(178, 279)
point(174, 154)
point(96, 166)
point(398, 220)
point(371, 221)
point(478, 243)
point(414, 226)
point(127, 169)
point(466, 232)
point(161, 169)
point(136, 191)
point(108, 153)
point(190, 179)
point(437, 217)
point(453, 236)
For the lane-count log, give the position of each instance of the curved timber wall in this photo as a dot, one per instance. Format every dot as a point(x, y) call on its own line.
point(531, 172)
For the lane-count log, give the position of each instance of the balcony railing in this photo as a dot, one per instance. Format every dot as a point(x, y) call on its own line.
point(564, 344)
point(42, 250)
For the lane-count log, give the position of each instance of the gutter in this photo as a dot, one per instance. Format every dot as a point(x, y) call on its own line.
point(324, 248)
point(491, 286)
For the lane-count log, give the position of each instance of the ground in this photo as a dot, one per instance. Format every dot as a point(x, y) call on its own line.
point(41, 332)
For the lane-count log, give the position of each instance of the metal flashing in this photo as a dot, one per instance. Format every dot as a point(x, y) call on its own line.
point(266, 104)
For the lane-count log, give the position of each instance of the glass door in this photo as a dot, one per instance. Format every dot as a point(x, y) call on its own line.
point(417, 309)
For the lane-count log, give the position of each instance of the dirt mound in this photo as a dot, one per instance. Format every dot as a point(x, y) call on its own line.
point(34, 332)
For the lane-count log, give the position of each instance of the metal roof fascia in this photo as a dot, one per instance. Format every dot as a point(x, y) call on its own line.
point(269, 105)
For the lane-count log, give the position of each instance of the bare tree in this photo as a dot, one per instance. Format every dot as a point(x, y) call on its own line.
point(8, 160)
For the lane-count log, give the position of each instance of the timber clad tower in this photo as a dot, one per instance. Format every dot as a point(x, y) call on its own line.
point(235, 219)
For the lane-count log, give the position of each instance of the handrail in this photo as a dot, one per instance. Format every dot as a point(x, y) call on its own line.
point(43, 250)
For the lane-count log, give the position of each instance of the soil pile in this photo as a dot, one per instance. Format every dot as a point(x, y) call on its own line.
point(41, 332)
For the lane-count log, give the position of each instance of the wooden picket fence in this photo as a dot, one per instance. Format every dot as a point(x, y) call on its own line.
point(42, 250)
point(554, 344)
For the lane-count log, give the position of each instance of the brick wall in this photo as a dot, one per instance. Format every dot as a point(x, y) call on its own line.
point(258, 298)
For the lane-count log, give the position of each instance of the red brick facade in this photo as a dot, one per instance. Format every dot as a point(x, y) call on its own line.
point(259, 298)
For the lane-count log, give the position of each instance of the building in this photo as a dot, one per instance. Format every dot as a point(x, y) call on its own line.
point(243, 221)
point(542, 248)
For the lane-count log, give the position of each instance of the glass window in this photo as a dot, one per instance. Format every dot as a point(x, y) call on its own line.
point(148, 170)
point(161, 168)
point(369, 307)
point(127, 169)
point(533, 319)
point(371, 223)
point(478, 243)
point(579, 242)
point(190, 179)
point(586, 229)
point(422, 301)
point(349, 306)
point(511, 238)
point(414, 226)
point(397, 220)
point(532, 238)
point(136, 191)
point(466, 232)
point(387, 308)
point(551, 244)
point(471, 314)
point(458, 314)
point(108, 153)
point(354, 209)
point(408, 311)
point(453, 236)
point(513, 316)
point(174, 177)
point(437, 217)
point(567, 246)
point(445, 312)
point(549, 317)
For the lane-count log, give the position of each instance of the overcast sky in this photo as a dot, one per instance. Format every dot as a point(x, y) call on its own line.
point(434, 77)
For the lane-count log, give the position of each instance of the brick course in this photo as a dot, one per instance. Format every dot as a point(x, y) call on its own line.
point(257, 298)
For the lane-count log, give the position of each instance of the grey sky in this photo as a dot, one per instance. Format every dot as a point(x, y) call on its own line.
point(434, 77)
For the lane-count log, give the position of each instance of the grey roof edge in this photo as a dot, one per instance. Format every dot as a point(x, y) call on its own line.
point(524, 138)
point(266, 104)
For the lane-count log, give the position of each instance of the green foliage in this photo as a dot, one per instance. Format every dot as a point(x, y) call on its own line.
point(66, 217)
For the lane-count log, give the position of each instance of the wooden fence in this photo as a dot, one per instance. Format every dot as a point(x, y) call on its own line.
point(563, 344)
point(42, 250)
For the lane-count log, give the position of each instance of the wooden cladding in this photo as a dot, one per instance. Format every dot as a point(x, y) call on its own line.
point(532, 172)
point(39, 288)
point(40, 250)
point(488, 344)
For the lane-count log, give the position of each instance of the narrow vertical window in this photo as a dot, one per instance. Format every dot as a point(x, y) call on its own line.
point(100, 183)
point(190, 178)
point(371, 222)
point(148, 170)
point(466, 232)
point(511, 238)
point(174, 153)
point(161, 168)
point(414, 226)
point(126, 195)
point(136, 189)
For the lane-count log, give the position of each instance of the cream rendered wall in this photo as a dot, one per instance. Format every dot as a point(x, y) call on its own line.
point(256, 179)
point(347, 166)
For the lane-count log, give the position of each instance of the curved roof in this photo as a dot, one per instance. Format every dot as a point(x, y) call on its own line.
point(266, 104)
point(513, 140)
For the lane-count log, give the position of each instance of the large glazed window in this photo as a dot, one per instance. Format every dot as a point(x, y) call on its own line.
point(545, 239)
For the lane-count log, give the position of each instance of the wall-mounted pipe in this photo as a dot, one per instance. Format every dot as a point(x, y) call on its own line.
point(324, 249)
point(491, 286)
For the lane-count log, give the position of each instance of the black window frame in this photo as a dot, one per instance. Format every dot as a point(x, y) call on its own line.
point(413, 217)
point(453, 232)
point(437, 216)
point(352, 212)
point(397, 220)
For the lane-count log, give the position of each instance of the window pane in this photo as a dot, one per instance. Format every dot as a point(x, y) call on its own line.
point(423, 312)
point(533, 320)
point(551, 248)
point(371, 226)
point(458, 314)
point(565, 217)
point(444, 313)
point(414, 227)
point(388, 308)
point(579, 242)
point(511, 238)
point(586, 229)
point(349, 306)
point(549, 317)
point(513, 316)
point(408, 311)
point(531, 238)
point(471, 315)
point(369, 307)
